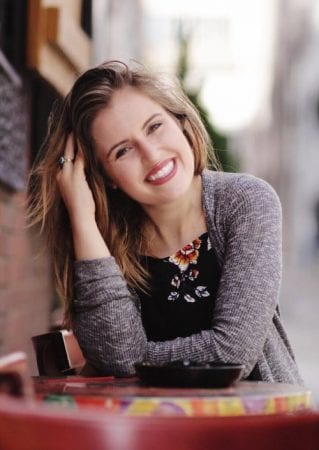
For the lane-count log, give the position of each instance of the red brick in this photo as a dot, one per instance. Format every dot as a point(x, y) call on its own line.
point(4, 244)
point(25, 280)
point(4, 273)
point(7, 214)
point(19, 220)
point(19, 246)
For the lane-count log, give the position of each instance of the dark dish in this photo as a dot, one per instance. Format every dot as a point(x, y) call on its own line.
point(185, 373)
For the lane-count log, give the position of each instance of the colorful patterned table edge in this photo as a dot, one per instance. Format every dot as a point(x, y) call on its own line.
point(192, 407)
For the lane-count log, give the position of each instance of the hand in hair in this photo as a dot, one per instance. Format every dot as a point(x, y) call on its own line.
point(78, 199)
point(73, 186)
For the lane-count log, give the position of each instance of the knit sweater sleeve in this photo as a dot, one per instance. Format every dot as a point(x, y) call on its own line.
point(107, 320)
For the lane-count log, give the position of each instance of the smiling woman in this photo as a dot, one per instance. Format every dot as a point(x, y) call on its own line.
point(156, 257)
point(153, 163)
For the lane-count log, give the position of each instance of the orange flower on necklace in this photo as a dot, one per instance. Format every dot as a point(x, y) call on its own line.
point(187, 255)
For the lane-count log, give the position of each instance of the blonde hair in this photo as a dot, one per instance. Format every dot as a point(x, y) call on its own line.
point(120, 219)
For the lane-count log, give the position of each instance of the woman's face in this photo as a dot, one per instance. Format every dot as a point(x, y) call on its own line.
point(142, 149)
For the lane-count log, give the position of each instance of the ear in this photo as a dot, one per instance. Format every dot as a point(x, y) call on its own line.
point(110, 184)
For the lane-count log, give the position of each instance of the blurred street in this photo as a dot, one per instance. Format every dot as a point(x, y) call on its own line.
point(300, 312)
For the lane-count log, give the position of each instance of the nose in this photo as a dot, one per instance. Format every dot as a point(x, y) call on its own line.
point(148, 150)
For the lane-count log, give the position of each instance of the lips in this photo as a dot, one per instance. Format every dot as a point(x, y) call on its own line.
point(162, 172)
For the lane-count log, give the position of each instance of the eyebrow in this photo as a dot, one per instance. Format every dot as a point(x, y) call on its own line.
point(108, 153)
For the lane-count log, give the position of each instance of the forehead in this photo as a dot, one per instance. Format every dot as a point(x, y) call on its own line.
point(129, 100)
point(126, 104)
point(127, 108)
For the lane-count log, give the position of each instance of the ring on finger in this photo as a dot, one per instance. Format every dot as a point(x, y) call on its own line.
point(63, 160)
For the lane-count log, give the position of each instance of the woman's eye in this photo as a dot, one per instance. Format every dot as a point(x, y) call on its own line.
point(121, 152)
point(154, 127)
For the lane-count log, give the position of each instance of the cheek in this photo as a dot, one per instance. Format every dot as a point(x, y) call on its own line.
point(106, 171)
point(108, 174)
point(121, 176)
point(188, 149)
point(188, 139)
point(184, 139)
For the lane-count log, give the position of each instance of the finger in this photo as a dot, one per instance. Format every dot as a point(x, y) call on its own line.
point(69, 147)
point(79, 164)
point(66, 160)
point(79, 160)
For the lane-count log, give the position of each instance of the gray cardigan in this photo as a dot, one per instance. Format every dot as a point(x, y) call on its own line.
point(243, 216)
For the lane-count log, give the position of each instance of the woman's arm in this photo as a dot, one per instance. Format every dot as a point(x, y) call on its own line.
point(77, 196)
point(105, 315)
point(107, 318)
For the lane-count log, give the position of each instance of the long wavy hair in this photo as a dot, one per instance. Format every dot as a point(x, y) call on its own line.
point(120, 219)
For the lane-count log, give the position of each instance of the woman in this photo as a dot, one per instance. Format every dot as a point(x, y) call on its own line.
point(156, 257)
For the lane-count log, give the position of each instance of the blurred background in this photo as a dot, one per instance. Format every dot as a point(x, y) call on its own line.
point(250, 66)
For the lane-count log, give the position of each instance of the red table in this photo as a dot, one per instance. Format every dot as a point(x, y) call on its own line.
point(120, 414)
point(126, 396)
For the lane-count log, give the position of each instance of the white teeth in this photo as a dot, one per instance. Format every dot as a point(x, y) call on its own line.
point(163, 172)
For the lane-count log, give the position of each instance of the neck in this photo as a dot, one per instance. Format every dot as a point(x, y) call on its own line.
point(175, 224)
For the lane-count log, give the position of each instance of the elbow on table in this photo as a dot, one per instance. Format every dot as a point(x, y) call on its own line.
point(123, 370)
point(113, 368)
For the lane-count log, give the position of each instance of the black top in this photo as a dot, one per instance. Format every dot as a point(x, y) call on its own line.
point(183, 288)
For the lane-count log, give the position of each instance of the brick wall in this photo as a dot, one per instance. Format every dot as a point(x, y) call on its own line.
point(26, 289)
point(26, 292)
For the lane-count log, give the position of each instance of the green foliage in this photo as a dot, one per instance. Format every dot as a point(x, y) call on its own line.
point(219, 140)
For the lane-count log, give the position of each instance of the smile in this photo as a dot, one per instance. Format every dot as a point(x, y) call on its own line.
point(163, 173)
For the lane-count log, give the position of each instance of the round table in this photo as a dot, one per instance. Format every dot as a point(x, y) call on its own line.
point(126, 396)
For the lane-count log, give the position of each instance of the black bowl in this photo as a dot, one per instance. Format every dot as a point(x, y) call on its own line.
point(185, 373)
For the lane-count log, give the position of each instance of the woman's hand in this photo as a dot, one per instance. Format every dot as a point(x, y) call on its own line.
point(73, 186)
point(79, 201)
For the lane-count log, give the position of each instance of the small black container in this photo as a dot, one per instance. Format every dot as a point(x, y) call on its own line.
point(185, 373)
